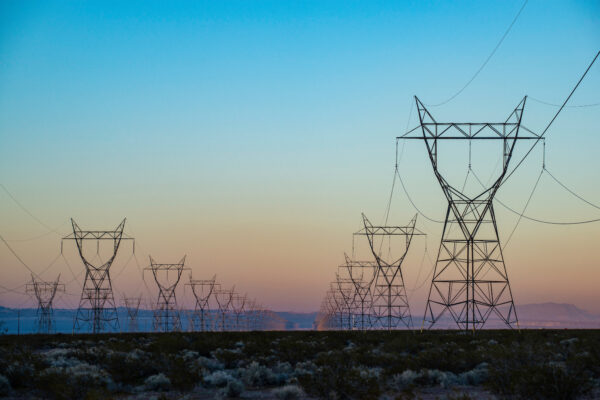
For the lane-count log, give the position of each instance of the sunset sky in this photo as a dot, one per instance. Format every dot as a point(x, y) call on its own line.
point(250, 135)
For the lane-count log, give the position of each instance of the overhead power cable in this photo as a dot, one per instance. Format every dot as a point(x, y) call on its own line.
point(22, 207)
point(569, 190)
point(413, 203)
point(558, 105)
point(541, 221)
point(486, 60)
point(552, 120)
point(19, 258)
point(524, 209)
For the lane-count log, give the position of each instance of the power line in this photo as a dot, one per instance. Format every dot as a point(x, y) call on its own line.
point(18, 258)
point(553, 119)
point(558, 105)
point(22, 207)
point(570, 191)
point(541, 221)
point(486, 60)
point(413, 203)
point(524, 209)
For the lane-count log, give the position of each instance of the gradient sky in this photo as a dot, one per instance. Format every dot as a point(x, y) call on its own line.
point(250, 135)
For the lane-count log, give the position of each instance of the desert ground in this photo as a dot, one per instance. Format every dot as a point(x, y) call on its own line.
point(531, 364)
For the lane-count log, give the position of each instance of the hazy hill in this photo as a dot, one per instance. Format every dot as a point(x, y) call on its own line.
point(532, 316)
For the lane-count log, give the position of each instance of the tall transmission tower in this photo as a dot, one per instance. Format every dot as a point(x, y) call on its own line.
point(166, 315)
point(470, 281)
point(202, 289)
point(390, 301)
point(97, 309)
point(44, 293)
point(362, 274)
point(132, 305)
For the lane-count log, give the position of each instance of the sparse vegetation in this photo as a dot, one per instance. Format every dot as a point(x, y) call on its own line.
point(297, 365)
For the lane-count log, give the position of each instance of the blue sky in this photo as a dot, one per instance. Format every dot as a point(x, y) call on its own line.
point(221, 129)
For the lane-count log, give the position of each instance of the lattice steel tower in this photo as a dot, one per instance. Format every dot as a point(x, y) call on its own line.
point(362, 274)
point(132, 305)
point(97, 307)
point(470, 281)
point(390, 301)
point(202, 290)
point(166, 314)
point(44, 293)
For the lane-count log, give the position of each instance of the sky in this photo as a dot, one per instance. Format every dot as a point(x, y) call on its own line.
point(251, 135)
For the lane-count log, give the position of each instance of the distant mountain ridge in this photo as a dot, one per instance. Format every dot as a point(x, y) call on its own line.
point(531, 316)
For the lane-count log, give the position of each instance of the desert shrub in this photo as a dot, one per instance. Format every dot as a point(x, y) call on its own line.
point(229, 357)
point(158, 382)
point(130, 368)
point(539, 381)
point(288, 392)
point(5, 387)
point(81, 381)
point(234, 388)
point(335, 377)
point(217, 378)
point(257, 375)
point(209, 364)
point(182, 374)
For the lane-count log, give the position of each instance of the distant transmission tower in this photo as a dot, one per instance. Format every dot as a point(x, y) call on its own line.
point(362, 274)
point(224, 298)
point(346, 290)
point(44, 293)
point(238, 304)
point(470, 281)
point(203, 291)
point(166, 314)
point(390, 302)
point(132, 305)
point(97, 308)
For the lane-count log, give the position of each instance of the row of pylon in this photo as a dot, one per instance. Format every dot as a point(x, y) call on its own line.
point(370, 294)
point(216, 308)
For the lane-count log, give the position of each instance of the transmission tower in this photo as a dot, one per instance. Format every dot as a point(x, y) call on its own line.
point(390, 302)
point(203, 291)
point(97, 308)
point(44, 293)
point(132, 305)
point(238, 304)
point(223, 298)
point(166, 314)
point(470, 281)
point(362, 274)
point(346, 290)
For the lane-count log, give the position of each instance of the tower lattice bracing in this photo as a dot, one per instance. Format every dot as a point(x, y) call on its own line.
point(362, 274)
point(238, 305)
point(132, 305)
point(97, 310)
point(203, 291)
point(389, 298)
point(44, 293)
point(345, 288)
point(470, 282)
point(224, 298)
point(166, 314)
